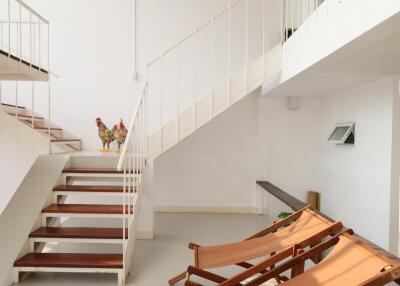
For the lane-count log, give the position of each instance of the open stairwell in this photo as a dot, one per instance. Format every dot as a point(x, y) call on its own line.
point(86, 187)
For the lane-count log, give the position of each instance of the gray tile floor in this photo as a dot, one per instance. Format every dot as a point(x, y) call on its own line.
point(155, 261)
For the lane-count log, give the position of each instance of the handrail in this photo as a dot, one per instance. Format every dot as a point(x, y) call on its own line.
point(26, 6)
point(131, 126)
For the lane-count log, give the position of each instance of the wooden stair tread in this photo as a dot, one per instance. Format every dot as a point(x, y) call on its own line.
point(26, 116)
point(84, 209)
point(46, 128)
point(70, 260)
point(15, 106)
point(65, 140)
point(99, 189)
point(79, 232)
point(92, 171)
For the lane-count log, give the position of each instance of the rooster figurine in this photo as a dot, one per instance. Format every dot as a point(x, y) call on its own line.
point(105, 135)
point(119, 132)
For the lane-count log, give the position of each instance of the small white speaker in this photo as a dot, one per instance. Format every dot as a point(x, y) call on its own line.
point(294, 103)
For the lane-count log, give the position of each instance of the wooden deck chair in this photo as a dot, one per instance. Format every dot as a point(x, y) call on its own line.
point(351, 262)
point(303, 227)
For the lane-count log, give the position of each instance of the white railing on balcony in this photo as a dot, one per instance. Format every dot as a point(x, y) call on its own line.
point(297, 11)
point(25, 38)
point(24, 34)
point(222, 60)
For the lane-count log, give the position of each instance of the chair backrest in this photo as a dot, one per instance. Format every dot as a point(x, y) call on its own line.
point(307, 225)
point(351, 262)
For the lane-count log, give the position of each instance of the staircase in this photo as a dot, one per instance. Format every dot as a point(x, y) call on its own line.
point(59, 211)
point(153, 130)
point(60, 140)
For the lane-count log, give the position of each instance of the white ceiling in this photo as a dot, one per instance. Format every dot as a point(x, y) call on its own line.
point(373, 55)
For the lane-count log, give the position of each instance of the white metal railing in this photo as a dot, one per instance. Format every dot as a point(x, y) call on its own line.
point(25, 37)
point(24, 34)
point(297, 11)
point(13, 98)
point(150, 116)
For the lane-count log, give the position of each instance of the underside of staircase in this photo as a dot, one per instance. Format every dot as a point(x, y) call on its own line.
point(61, 140)
point(78, 183)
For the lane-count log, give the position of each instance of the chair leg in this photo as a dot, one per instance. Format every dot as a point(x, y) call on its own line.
point(177, 278)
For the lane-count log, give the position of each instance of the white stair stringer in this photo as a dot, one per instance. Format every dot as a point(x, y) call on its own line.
point(218, 101)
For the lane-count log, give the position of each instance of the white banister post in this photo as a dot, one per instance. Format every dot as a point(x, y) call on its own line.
point(178, 92)
point(33, 104)
point(147, 111)
point(16, 99)
point(247, 47)
point(286, 19)
point(162, 102)
point(300, 14)
point(1, 94)
point(30, 38)
point(49, 85)
point(263, 40)
point(124, 213)
point(9, 28)
point(316, 11)
point(20, 32)
point(195, 82)
point(212, 67)
point(229, 54)
point(40, 45)
point(292, 17)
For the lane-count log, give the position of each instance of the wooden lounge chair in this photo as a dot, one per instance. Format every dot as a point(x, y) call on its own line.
point(304, 227)
point(351, 262)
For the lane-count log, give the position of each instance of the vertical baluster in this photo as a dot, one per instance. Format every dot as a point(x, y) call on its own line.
point(33, 104)
point(49, 84)
point(40, 44)
point(162, 103)
point(123, 210)
point(292, 18)
point(16, 99)
point(229, 54)
point(247, 46)
point(212, 67)
point(316, 11)
point(20, 32)
point(263, 40)
point(1, 94)
point(30, 39)
point(178, 92)
point(195, 82)
point(9, 28)
point(300, 13)
point(286, 20)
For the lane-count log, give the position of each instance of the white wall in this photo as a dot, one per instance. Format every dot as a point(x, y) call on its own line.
point(35, 189)
point(19, 148)
point(355, 182)
point(287, 147)
point(213, 169)
point(91, 47)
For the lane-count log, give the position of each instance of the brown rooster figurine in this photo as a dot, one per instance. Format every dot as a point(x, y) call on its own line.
point(105, 135)
point(119, 132)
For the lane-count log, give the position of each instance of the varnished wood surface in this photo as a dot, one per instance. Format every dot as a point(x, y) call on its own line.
point(70, 260)
point(98, 189)
point(84, 209)
point(79, 232)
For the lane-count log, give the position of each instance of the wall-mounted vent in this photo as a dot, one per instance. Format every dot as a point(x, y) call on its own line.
point(343, 133)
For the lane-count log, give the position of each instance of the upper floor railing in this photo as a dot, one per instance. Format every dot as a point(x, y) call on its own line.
point(297, 11)
point(24, 34)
